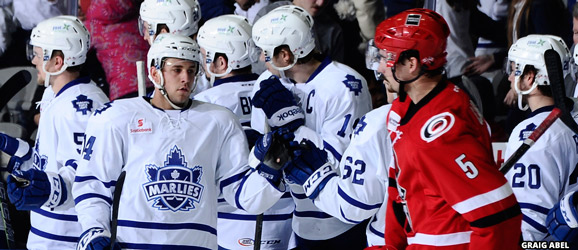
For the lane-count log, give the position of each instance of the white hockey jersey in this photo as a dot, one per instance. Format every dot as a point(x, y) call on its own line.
point(545, 173)
point(333, 99)
point(235, 227)
point(177, 163)
point(63, 120)
point(361, 189)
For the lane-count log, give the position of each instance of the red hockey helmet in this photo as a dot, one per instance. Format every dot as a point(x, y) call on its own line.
point(419, 29)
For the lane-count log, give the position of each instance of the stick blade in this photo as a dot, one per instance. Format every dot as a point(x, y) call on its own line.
point(556, 77)
point(14, 84)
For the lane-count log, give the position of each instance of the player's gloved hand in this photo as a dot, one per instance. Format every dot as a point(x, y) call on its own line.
point(96, 239)
point(279, 105)
point(33, 188)
point(310, 168)
point(15, 147)
point(270, 154)
point(562, 220)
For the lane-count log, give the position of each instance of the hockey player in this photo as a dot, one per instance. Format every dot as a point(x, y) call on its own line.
point(324, 102)
point(448, 192)
point(166, 16)
point(179, 156)
point(228, 52)
point(59, 47)
point(548, 170)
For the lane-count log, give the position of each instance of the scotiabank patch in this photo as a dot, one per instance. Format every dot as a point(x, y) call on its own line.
point(140, 126)
point(436, 126)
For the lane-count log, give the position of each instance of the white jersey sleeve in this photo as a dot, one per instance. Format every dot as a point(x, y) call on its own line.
point(360, 191)
point(546, 172)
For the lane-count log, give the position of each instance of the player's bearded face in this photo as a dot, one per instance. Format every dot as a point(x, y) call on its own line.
point(179, 76)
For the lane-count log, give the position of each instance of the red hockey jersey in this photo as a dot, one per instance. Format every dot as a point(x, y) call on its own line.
point(446, 190)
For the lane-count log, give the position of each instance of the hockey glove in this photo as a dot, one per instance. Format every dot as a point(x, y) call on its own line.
point(33, 188)
point(279, 105)
point(562, 220)
point(310, 169)
point(96, 239)
point(270, 154)
point(15, 147)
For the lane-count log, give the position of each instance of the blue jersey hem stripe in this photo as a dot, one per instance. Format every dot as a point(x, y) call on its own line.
point(166, 226)
point(534, 224)
point(374, 231)
point(299, 196)
point(91, 196)
point(347, 219)
point(53, 236)
point(312, 214)
point(64, 217)
point(534, 207)
point(248, 217)
point(158, 247)
point(355, 202)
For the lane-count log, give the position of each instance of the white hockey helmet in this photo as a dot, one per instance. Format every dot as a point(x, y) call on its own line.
point(286, 25)
point(181, 16)
point(230, 35)
point(530, 50)
point(172, 46)
point(64, 33)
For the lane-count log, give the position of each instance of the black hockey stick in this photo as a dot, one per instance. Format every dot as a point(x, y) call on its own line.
point(14, 84)
point(6, 238)
point(556, 77)
point(115, 205)
point(551, 118)
point(258, 232)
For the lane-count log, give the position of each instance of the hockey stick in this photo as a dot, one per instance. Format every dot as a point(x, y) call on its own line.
point(259, 219)
point(14, 84)
point(556, 77)
point(551, 118)
point(140, 77)
point(115, 205)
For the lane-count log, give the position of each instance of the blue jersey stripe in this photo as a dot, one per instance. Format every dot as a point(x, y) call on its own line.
point(347, 219)
point(331, 149)
point(299, 196)
point(88, 178)
point(375, 231)
point(232, 179)
point(534, 224)
point(90, 196)
point(64, 217)
point(534, 207)
point(53, 236)
point(158, 247)
point(312, 214)
point(355, 202)
point(248, 217)
point(166, 226)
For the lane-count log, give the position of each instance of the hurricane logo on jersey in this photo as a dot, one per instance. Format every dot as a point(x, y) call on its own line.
point(174, 186)
point(353, 84)
point(436, 126)
point(82, 104)
point(525, 133)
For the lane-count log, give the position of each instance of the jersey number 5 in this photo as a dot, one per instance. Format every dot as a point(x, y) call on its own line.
point(468, 167)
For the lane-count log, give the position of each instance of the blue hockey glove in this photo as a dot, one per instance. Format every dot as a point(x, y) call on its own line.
point(270, 154)
point(15, 147)
point(562, 220)
point(33, 188)
point(279, 105)
point(310, 169)
point(96, 239)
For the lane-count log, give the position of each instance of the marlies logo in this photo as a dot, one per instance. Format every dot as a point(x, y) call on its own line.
point(174, 186)
point(39, 161)
point(82, 104)
point(353, 84)
point(526, 132)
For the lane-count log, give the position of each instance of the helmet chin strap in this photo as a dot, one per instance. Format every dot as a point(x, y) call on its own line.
point(215, 75)
point(163, 91)
point(282, 69)
point(521, 106)
point(48, 74)
point(402, 93)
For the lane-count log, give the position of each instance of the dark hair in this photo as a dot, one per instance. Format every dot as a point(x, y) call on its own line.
point(70, 68)
point(575, 13)
point(406, 55)
point(246, 69)
point(544, 89)
point(301, 60)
